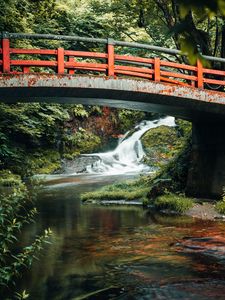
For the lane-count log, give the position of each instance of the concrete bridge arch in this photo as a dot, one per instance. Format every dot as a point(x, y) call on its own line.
point(179, 101)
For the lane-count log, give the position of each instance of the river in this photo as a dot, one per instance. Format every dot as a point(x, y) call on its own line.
point(102, 252)
point(120, 252)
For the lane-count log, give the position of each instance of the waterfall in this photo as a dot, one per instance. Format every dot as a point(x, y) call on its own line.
point(128, 155)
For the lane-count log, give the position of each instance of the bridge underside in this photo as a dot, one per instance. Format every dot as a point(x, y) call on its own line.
point(183, 102)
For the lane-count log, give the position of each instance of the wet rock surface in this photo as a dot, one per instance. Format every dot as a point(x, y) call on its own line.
point(78, 164)
point(205, 211)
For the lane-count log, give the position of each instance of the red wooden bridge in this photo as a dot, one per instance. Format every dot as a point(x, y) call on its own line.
point(142, 81)
point(61, 61)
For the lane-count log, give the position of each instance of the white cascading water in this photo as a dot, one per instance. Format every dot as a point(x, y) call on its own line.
point(128, 155)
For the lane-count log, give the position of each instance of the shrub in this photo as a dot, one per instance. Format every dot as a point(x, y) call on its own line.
point(174, 202)
point(220, 207)
point(16, 210)
point(81, 141)
point(42, 162)
point(9, 179)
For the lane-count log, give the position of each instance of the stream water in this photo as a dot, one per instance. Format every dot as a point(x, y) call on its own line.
point(101, 252)
point(120, 252)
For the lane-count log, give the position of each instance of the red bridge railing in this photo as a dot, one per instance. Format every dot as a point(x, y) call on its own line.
point(61, 61)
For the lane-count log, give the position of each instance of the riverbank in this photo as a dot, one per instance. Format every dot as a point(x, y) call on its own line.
point(200, 210)
point(137, 192)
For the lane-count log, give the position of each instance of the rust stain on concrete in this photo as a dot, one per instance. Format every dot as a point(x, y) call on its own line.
point(136, 90)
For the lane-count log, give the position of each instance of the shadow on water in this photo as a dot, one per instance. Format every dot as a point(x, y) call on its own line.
point(121, 252)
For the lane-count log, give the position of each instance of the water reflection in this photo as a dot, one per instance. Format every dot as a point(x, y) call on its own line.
point(120, 252)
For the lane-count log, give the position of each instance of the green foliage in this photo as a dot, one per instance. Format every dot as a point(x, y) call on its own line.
point(220, 205)
point(202, 8)
point(173, 143)
point(159, 136)
point(115, 195)
point(96, 110)
point(183, 128)
point(32, 122)
point(82, 141)
point(16, 210)
point(128, 118)
point(163, 143)
point(39, 134)
point(79, 111)
point(7, 178)
point(173, 202)
point(23, 295)
point(24, 128)
point(19, 16)
point(41, 161)
point(199, 28)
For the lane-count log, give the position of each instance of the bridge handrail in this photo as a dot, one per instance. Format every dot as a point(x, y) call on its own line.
point(61, 61)
point(102, 41)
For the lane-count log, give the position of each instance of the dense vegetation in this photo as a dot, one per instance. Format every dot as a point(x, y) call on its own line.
point(40, 135)
point(16, 210)
point(35, 137)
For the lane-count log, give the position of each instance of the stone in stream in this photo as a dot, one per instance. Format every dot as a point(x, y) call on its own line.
point(78, 164)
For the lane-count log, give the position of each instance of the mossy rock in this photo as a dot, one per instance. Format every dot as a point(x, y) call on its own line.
point(162, 135)
point(159, 144)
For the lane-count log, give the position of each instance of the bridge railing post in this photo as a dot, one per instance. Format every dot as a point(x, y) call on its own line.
point(111, 57)
point(157, 69)
point(61, 62)
point(200, 83)
point(71, 71)
point(5, 53)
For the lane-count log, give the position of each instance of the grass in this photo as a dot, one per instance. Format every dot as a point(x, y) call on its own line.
point(220, 206)
point(138, 190)
point(173, 202)
point(127, 190)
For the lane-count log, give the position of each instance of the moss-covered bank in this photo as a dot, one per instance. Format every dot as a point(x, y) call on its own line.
point(138, 190)
point(127, 190)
